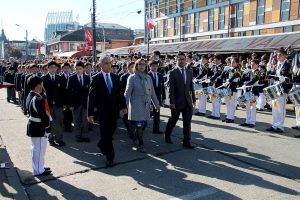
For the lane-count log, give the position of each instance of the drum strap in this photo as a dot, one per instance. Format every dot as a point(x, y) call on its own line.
point(275, 104)
point(298, 111)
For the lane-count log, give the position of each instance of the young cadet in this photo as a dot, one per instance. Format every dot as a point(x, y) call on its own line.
point(38, 127)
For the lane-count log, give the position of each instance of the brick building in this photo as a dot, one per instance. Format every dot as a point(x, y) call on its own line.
point(187, 20)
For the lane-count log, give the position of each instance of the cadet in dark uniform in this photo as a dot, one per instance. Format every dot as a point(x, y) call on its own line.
point(38, 127)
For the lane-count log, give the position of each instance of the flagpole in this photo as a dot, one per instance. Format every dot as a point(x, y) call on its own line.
point(148, 41)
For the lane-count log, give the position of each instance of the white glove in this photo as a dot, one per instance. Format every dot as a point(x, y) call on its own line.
point(226, 84)
point(282, 79)
point(243, 87)
point(207, 81)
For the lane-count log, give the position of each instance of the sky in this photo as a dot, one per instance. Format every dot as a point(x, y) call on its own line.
point(31, 14)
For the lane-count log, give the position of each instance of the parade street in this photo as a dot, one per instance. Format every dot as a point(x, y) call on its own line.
point(229, 162)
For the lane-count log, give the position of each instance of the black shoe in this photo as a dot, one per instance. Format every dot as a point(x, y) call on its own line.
point(86, 140)
point(61, 143)
point(157, 132)
point(297, 136)
point(199, 114)
point(69, 130)
point(168, 140)
point(278, 130)
point(52, 143)
point(216, 117)
point(47, 168)
point(224, 120)
point(45, 173)
point(245, 124)
point(229, 121)
point(109, 163)
point(296, 127)
point(270, 129)
point(188, 146)
point(211, 117)
point(260, 109)
point(251, 125)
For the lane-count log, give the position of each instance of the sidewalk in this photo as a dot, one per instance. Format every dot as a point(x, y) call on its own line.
point(10, 185)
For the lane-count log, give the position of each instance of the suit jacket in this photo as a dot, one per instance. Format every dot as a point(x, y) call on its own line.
point(181, 94)
point(77, 94)
point(107, 104)
point(18, 85)
point(54, 90)
point(64, 82)
point(160, 89)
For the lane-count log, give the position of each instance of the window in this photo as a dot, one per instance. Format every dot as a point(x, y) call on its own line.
point(194, 5)
point(255, 32)
point(239, 16)
point(211, 20)
point(165, 28)
point(157, 8)
point(176, 26)
point(210, 2)
point(155, 32)
point(224, 35)
point(167, 7)
point(285, 10)
point(243, 33)
point(221, 18)
point(196, 22)
point(187, 23)
point(213, 36)
point(260, 11)
point(178, 5)
point(288, 29)
point(151, 10)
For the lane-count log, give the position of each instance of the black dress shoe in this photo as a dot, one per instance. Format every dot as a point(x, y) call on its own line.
point(168, 140)
point(188, 146)
point(229, 121)
point(245, 124)
point(109, 163)
point(216, 117)
point(224, 120)
point(157, 132)
point(251, 125)
point(297, 136)
point(45, 173)
point(47, 168)
point(278, 130)
point(200, 114)
point(61, 143)
point(211, 117)
point(296, 127)
point(270, 129)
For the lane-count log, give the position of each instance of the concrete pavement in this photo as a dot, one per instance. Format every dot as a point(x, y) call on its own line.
point(230, 162)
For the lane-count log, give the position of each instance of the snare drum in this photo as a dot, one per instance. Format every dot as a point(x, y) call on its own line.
point(273, 92)
point(197, 89)
point(208, 90)
point(295, 96)
point(246, 98)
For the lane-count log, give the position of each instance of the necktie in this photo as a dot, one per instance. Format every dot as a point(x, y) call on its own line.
point(155, 79)
point(80, 81)
point(182, 73)
point(108, 83)
point(53, 79)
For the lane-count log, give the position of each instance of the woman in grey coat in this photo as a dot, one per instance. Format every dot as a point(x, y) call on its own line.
point(139, 94)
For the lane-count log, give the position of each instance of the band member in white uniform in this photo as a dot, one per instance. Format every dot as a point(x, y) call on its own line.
point(296, 86)
point(283, 75)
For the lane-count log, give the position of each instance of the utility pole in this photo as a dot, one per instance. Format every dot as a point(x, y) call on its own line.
point(26, 45)
point(94, 32)
point(229, 18)
point(145, 23)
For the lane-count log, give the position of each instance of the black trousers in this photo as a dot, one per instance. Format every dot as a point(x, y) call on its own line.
point(126, 122)
point(187, 113)
point(108, 126)
point(11, 93)
point(156, 120)
point(68, 118)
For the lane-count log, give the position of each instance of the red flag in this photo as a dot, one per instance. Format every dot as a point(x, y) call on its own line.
point(88, 38)
point(150, 23)
point(39, 48)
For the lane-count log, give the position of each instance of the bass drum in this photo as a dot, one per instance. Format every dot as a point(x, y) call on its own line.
point(295, 96)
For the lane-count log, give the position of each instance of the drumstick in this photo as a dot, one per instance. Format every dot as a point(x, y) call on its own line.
point(248, 86)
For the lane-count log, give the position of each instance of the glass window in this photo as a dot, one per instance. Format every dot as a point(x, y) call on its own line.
point(255, 32)
point(213, 36)
point(167, 7)
point(165, 28)
point(194, 5)
point(157, 8)
point(211, 19)
point(221, 18)
point(285, 10)
point(209, 2)
point(177, 6)
point(196, 22)
point(288, 29)
point(240, 11)
point(260, 11)
point(187, 23)
point(175, 26)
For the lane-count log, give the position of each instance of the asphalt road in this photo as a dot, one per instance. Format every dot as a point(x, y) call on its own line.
point(229, 162)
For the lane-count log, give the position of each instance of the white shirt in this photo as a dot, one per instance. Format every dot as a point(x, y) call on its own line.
point(104, 76)
point(279, 67)
point(52, 76)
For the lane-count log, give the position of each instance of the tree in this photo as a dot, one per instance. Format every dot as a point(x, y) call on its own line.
point(13, 51)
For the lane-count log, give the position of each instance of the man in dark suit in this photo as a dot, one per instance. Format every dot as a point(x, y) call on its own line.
point(105, 96)
point(158, 85)
point(78, 90)
point(68, 118)
point(54, 90)
point(182, 100)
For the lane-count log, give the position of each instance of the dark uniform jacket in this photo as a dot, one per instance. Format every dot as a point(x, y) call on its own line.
point(160, 89)
point(39, 120)
point(54, 90)
point(217, 77)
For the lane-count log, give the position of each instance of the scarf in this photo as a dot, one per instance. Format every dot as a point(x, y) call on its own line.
point(143, 78)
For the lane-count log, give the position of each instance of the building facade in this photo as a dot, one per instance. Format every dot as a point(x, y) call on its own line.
point(187, 20)
point(59, 21)
point(108, 36)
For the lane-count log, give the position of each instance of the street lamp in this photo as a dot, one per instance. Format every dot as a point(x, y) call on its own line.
point(26, 38)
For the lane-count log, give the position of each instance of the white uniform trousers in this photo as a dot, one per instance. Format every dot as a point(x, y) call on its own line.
point(261, 101)
point(278, 112)
point(238, 94)
point(297, 112)
point(231, 106)
point(38, 148)
point(202, 103)
point(216, 106)
point(251, 112)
